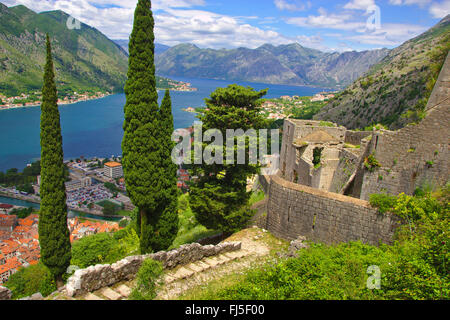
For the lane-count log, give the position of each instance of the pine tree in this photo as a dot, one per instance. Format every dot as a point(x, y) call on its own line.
point(219, 198)
point(142, 145)
point(54, 235)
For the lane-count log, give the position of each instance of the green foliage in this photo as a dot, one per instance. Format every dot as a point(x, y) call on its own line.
point(148, 280)
point(384, 202)
point(414, 267)
point(30, 280)
point(54, 235)
point(371, 163)
point(149, 175)
point(219, 197)
point(22, 213)
point(112, 187)
point(13, 177)
point(326, 124)
point(189, 229)
point(104, 248)
point(109, 209)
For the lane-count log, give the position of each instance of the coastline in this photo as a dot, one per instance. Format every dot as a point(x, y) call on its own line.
point(83, 100)
point(59, 103)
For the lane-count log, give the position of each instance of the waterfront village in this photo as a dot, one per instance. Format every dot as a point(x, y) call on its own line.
point(93, 183)
point(34, 99)
point(285, 106)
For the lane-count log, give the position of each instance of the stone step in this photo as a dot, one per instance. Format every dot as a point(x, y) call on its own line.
point(169, 278)
point(123, 290)
point(203, 265)
point(211, 262)
point(91, 296)
point(222, 259)
point(194, 267)
point(236, 254)
point(110, 294)
point(183, 273)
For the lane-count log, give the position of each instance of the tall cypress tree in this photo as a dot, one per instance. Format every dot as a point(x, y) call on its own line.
point(54, 235)
point(165, 221)
point(142, 145)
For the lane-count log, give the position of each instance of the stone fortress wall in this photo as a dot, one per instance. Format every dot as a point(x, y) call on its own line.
point(415, 155)
point(296, 210)
point(313, 201)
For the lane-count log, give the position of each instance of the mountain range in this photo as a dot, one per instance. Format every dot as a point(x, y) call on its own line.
point(395, 91)
point(290, 64)
point(159, 48)
point(84, 58)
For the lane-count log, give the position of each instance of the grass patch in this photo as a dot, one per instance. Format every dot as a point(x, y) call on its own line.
point(189, 230)
point(256, 197)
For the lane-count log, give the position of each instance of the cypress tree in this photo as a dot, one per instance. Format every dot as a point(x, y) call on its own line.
point(143, 141)
point(166, 220)
point(54, 235)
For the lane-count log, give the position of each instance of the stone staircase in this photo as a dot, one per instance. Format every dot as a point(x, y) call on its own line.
point(171, 278)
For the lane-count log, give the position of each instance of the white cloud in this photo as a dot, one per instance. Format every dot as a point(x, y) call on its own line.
point(173, 23)
point(440, 9)
point(289, 5)
point(328, 21)
point(360, 4)
point(390, 34)
point(421, 3)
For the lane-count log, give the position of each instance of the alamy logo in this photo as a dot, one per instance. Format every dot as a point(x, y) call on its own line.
point(250, 146)
point(73, 23)
point(374, 280)
point(374, 21)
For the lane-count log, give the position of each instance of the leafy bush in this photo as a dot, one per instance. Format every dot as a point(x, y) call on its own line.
point(104, 248)
point(148, 279)
point(371, 163)
point(30, 280)
point(384, 202)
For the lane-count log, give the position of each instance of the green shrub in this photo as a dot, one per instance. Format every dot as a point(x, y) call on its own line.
point(414, 267)
point(104, 248)
point(371, 163)
point(384, 202)
point(30, 280)
point(147, 280)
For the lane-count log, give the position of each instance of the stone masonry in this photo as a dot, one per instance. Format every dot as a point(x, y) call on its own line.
point(294, 210)
point(100, 276)
point(5, 293)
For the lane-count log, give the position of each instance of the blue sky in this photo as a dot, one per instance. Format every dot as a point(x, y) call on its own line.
point(325, 25)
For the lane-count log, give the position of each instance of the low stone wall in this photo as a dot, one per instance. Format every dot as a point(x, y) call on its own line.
point(5, 293)
point(100, 276)
point(295, 210)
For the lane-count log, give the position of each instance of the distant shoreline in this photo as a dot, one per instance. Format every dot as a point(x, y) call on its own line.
point(59, 104)
point(84, 100)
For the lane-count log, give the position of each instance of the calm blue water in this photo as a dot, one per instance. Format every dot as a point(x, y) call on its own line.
point(26, 204)
point(94, 128)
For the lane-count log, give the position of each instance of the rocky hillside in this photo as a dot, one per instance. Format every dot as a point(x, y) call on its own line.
point(395, 91)
point(285, 64)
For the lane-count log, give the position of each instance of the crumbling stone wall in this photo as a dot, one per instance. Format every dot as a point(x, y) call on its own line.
point(416, 155)
point(355, 137)
point(295, 210)
point(100, 276)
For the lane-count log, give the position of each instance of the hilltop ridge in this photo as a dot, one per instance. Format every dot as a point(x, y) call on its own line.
point(395, 91)
point(290, 64)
